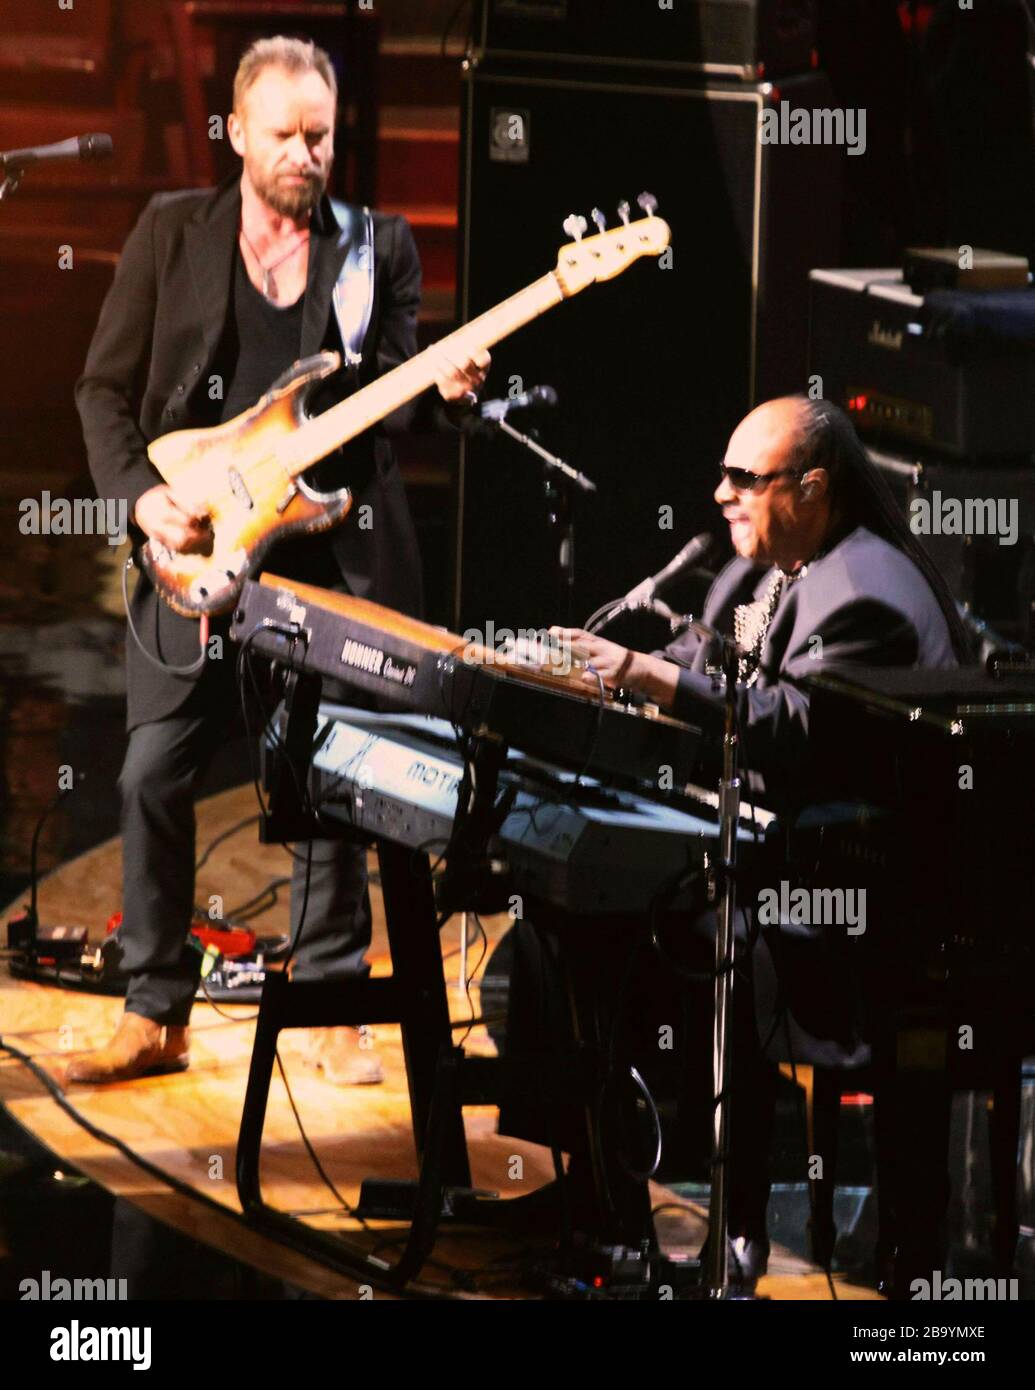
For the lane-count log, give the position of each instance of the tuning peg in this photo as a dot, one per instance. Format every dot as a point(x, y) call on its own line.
point(599, 218)
point(648, 203)
point(575, 225)
point(623, 211)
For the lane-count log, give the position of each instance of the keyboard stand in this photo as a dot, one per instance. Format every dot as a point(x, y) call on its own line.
point(414, 996)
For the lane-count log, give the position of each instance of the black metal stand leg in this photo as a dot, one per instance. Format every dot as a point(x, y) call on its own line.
point(430, 1190)
point(260, 1074)
point(912, 1098)
point(424, 1007)
point(602, 1196)
point(297, 1004)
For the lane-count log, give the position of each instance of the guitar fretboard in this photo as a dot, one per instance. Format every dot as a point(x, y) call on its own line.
point(372, 403)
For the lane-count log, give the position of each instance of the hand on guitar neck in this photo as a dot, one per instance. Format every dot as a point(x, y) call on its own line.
point(160, 516)
point(460, 378)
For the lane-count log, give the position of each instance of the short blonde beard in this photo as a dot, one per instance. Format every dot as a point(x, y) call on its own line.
point(291, 201)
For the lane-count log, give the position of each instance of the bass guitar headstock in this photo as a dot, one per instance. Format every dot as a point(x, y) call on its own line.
point(607, 254)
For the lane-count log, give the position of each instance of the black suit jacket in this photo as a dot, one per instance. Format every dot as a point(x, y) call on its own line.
point(863, 603)
point(147, 374)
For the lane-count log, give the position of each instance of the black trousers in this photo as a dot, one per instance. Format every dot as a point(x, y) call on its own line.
point(164, 763)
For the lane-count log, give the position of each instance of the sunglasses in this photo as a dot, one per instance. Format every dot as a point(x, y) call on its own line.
point(743, 480)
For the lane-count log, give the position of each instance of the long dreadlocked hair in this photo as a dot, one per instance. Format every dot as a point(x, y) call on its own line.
point(862, 496)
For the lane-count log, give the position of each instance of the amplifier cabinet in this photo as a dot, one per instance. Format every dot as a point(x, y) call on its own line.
point(655, 368)
point(993, 574)
point(870, 342)
point(745, 39)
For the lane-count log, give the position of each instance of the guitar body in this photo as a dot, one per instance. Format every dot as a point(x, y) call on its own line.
point(236, 475)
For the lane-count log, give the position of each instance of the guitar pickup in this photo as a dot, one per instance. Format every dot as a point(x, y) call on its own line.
point(237, 487)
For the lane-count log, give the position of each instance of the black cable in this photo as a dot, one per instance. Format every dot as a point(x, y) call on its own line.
point(600, 706)
point(455, 950)
point(103, 1137)
point(244, 666)
point(355, 761)
point(248, 1018)
point(253, 907)
point(645, 1175)
point(184, 1189)
point(612, 1068)
point(350, 1211)
point(190, 670)
point(485, 1019)
point(660, 902)
point(470, 977)
point(598, 613)
point(297, 934)
point(223, 835)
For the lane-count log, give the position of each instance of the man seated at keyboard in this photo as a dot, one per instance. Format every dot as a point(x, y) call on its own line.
point(826, 575)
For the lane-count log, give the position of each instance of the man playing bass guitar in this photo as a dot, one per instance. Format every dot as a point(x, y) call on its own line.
point(217, 293)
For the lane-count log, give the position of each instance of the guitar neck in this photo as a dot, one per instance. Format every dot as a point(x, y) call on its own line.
point(350, 417)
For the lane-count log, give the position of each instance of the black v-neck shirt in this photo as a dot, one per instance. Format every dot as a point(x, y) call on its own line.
point(260, 341)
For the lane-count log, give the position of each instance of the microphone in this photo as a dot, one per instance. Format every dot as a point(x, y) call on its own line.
point(79, 147)
point(500, 409)
point(693, 552)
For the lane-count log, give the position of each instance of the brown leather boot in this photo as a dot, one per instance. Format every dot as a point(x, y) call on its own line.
point(140, 1047)
point(345, 1056)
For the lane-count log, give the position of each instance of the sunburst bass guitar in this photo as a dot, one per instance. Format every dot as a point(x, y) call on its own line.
point(247, 475)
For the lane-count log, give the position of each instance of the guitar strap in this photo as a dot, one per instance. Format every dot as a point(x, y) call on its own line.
point(353, 294)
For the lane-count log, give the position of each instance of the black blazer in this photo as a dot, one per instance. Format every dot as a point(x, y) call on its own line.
point(147, 370)
point(863, 603)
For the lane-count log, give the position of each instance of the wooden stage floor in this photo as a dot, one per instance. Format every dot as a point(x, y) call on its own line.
point(187, 1125)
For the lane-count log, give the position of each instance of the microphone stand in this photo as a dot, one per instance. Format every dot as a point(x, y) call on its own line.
point(716, 1284)
point(678, 622)
point(562, 484)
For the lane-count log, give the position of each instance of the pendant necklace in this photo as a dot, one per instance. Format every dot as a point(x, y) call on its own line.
point(267, 270)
